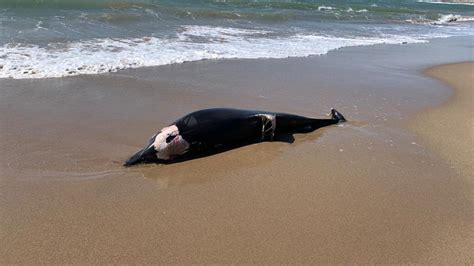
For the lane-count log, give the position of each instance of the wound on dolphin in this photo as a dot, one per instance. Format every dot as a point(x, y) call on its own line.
point(209, 131)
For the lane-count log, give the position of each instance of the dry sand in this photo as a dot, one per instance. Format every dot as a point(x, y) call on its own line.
point(449, 131)
point(450, 127)
point(367, 191)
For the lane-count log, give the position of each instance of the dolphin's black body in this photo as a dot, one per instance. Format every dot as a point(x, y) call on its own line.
point(206, 130)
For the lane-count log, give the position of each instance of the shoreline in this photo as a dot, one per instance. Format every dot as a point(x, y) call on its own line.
point(449, 127)
point(134, 69)
point(448, 130)
point(366, 191)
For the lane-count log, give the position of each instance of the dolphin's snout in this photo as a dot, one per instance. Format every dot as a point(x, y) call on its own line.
point(136, 158)
point(146, 155)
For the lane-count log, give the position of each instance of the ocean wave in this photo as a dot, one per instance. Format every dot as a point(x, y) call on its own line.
point(75, 4)
point(192, 43)
point(357, 11)
point(441, 20)
point(452, 2)
point(454, 18)
point(323, 8)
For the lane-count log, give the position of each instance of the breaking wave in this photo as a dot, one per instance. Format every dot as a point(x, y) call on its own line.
point(452, 2)
point(192, 43)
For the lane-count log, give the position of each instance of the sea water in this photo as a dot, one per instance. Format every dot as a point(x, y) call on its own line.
point(56, 38)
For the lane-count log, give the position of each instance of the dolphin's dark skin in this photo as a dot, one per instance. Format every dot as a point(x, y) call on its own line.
point(208, 131)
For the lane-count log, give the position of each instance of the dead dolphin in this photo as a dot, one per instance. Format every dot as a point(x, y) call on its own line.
point(212, 129)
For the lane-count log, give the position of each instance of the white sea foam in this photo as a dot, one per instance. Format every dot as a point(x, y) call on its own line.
point(466, 19)
point(444, 19)
point(446, 3)
point(448, 18)
point(218, 32)
point(357, 11)
point(323, 8)
point(192, 43)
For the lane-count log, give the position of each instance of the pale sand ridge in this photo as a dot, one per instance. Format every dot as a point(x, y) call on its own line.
point(450, 127)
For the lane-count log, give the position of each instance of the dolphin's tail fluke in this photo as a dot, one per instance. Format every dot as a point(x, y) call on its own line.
point(335, 115)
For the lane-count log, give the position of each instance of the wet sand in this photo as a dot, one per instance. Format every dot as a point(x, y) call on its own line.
point(367, 191)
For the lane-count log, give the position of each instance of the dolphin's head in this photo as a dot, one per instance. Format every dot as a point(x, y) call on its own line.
point(163, 146)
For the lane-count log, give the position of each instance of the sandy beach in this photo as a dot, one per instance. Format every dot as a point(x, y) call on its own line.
point(450, 128)
point(393, 185)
